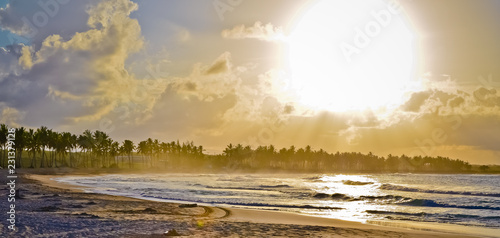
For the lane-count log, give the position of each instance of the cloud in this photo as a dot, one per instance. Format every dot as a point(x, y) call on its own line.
point(56, 95)
point(487, 97)
point(26, 60)
point(258, 31)
point(416, 101)
point(9, 56)
point(85, 76)
point(87, 81)
point(10, 116)
point(209, 82)
point(32, 22)
point(196, 105)
point(221, 65)
point(437, 120)
point(11, 20)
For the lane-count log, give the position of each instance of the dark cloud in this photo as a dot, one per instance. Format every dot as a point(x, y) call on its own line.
point(221, 65)
point(487, 97)
point(456, 102)
point(416, 101)
point(190, 86)
point(288, 109)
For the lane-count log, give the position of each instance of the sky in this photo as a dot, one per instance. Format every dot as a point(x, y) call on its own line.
point(383, 76)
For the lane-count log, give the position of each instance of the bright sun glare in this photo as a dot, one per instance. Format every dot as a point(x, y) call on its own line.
point(351, 55)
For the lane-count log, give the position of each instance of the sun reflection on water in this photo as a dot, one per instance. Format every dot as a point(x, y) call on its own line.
point(346, 191)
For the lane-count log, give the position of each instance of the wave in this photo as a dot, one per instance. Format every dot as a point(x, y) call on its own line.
point(314, 178)
point(335, 196)
point(261, 205)
point(275, 186)
point(423, 214)
point(398, 200)
point(260, 188)
point(235, 188)
point(387, 186)
point(344, 197)
point(395, 213)
point(283, 206)
point(350, 182)
point(386, 197)
point(431, 203)
point(251, 204)
point(438, 217)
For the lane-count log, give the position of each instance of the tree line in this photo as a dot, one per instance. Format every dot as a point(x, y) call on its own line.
point(46, 148)
point(306, 159)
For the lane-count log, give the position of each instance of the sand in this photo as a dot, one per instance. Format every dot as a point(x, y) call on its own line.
point(53, 209)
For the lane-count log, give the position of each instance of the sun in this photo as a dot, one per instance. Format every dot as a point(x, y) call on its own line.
point(351, 55)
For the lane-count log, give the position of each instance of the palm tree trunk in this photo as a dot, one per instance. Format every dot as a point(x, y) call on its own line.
point(85, 159)
point(42, 163)
point(54, 159)
point(129, 161)
point(18, 164)
point(33, 160)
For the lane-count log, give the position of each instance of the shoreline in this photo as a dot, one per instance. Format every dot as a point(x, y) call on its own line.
point(270, 218)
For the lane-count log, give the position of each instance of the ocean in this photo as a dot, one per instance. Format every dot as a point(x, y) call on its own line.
point(468, 203)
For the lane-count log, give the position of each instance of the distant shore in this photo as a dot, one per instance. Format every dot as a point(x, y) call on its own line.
point(100, 171)
point(49, 207)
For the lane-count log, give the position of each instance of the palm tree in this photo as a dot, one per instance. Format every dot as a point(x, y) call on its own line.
point(74, 147)
point(108, 142)
point(86, 142)
point(178, 148)
point(392, 162)
point(59, 147)
point(62, 144)
point(80, 141)
point(3, 140)
point(199, 153)
point(165, 148)
point(114, 150)
point(156, 149)
point(67, 142)
point(128, 147)
point(32, 144)
point(52, 144)
point(101, 144)
point(20, 144)
point(149, 150)
point(229, 150)
point(142, 148)
point(43, 140)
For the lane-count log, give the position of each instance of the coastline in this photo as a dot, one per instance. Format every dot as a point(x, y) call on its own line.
point(224, 222)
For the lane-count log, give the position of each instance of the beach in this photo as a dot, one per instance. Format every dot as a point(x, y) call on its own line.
point(53, 209)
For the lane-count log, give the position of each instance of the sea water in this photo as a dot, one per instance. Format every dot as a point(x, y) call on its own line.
point(459, 201)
